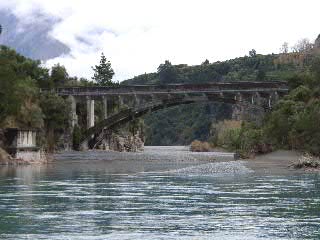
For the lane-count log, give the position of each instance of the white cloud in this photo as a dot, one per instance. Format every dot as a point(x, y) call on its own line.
point(136, 36)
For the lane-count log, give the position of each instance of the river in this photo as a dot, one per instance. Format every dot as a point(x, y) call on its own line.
point(163, 193)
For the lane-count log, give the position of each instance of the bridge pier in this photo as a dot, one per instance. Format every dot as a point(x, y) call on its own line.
point(120, 103)
point(273, 98)
point(136, 100)
point(120, 98)
point(73, 113)
point(90, 112)
point(105, 107)
point(257, 99)
point(270, 101)
point(238, 97)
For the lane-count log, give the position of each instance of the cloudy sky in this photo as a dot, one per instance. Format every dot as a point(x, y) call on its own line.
point(138, 35)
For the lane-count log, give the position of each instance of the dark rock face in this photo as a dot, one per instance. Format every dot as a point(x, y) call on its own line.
point(31, 40)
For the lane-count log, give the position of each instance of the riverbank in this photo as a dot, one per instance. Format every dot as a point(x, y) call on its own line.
point(278, 162)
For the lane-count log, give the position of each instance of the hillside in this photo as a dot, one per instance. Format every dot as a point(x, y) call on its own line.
point(255, 67)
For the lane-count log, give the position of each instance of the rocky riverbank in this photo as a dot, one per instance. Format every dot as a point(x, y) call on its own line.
point(308, 162)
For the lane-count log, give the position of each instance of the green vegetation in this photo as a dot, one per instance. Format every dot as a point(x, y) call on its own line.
point(181, 125)
point(76, 137)
point(19, 100)
point(21, 104)
point(56, 111)
point(255, 67)
point(293, 123)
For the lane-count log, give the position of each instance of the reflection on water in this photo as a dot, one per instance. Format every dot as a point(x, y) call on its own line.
point(140, 196)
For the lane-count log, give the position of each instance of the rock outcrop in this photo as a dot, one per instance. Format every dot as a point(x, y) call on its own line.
point(122, 142)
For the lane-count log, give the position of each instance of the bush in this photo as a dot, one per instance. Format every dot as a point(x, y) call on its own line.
point(198, 146)
point(76, 137)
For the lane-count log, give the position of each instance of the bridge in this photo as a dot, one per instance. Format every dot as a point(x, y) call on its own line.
point(136, 100)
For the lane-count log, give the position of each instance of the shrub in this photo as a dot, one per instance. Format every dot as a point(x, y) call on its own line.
point(198, 146)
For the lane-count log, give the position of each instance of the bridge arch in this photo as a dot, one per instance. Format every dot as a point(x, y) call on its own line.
point(129, 114)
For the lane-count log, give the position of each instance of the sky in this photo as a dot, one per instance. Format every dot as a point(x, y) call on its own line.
point(138, 35)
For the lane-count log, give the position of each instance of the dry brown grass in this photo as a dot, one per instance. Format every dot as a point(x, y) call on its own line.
point(198, 146)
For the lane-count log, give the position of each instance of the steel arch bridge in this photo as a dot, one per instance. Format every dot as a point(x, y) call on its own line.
point(142, 99)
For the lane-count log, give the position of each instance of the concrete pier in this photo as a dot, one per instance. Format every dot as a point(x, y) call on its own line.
point(73, 114)
point(90, 112)
point(105, 107)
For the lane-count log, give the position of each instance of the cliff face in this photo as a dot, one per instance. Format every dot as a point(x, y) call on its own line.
point(31, 40)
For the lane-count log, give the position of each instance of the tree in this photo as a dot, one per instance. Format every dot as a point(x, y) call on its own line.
point(56, 117)
point(252, 53)
point(59, 75)
point(284, 48)
point(103, 72)
point(167, 72)
point(206, 62)
point(18, 90)
point(261, 75)
point(317, 42)
point(302, 45)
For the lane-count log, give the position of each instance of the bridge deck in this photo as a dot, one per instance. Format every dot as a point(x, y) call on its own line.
point(219, 87)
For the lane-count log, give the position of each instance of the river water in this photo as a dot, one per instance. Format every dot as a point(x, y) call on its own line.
point(163, 193)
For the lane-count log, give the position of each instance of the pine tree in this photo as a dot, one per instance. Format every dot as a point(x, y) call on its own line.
point(103, 72)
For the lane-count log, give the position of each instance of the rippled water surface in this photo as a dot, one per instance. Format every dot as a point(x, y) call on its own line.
point(165, 193)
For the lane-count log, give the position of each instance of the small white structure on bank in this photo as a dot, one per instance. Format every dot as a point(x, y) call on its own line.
point(22, 144)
